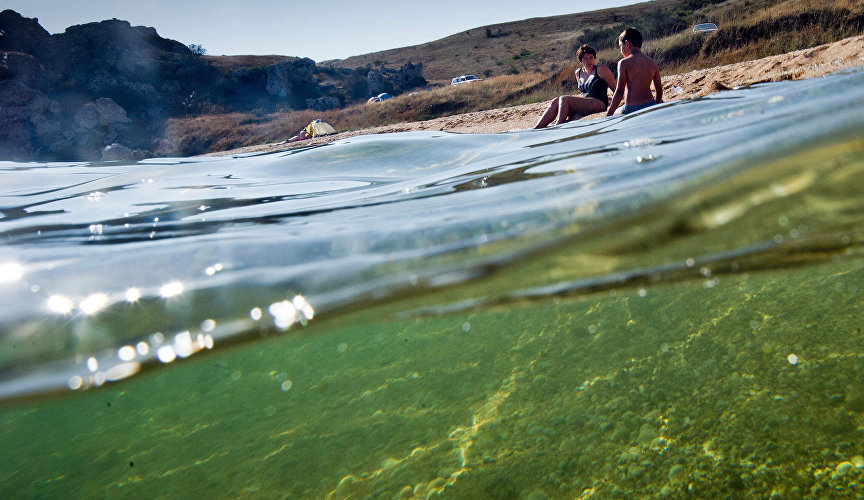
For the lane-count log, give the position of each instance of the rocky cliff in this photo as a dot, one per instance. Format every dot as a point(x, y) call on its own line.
point(102, 88)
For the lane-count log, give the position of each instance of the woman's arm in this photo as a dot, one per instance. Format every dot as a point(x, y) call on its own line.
point(607, 76)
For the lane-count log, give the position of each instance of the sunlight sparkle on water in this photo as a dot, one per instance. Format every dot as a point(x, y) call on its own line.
point(166, 354)
point(183, 344)
point(75, 382)
point(10, 272)
point(172, 289)
point(133, 295)
point(60, 304)
point(288, 312)
point(121, 371)
point(284, 314)
point(126, 353)
point(299, 302)
point(210, 271)
point(93, 303)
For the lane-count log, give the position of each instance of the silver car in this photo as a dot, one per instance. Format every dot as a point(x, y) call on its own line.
point(459, 80)
point(705, 28)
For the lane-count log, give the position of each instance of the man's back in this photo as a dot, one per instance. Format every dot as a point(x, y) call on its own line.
point(639, 71)
point(636, 72)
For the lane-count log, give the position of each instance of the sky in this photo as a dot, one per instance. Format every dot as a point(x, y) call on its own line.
point(323, 30)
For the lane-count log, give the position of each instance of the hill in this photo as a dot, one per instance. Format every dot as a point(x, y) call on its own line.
point(110, 82)
point(543, 44)
point(749, 30)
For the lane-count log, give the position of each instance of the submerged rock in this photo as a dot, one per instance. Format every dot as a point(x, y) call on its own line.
point(119, 152)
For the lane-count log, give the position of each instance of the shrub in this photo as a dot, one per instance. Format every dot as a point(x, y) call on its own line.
point(197, 49)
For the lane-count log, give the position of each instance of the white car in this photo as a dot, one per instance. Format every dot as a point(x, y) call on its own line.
point(459, 80)
point(705, 28)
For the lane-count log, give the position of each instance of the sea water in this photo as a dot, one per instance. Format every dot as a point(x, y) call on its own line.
point(662, 304)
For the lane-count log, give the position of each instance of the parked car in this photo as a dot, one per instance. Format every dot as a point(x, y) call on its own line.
point(380, 97)
point(705, 28)
point(459, 80)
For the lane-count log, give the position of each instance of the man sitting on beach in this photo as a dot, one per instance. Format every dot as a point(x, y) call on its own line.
point(636, 72)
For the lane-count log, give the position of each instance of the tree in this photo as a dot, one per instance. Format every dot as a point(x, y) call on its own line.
point(197, 49)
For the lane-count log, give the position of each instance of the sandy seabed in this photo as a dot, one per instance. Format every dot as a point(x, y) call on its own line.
point(808, 63)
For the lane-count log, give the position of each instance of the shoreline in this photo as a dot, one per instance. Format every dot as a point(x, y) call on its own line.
point(798, 65)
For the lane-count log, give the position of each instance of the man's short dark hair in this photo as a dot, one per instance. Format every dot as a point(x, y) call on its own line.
point(631, 35)
point(585, 49)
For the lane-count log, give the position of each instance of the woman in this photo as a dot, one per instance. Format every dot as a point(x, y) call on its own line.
point(594, 81)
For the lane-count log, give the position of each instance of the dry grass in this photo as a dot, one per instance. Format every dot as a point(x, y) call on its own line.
point(230, 63)
point(782, 28)
point(220, 132)
point(506, 48)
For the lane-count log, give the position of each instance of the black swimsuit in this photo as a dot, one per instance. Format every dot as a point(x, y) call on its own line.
point(595, 87)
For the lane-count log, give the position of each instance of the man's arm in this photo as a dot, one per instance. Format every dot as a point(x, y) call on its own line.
point(658, 86)
point(619, 89)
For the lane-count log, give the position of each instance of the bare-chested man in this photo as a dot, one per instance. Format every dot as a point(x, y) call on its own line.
point(636, 73)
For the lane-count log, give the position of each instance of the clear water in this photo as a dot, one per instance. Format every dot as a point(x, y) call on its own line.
point(665, 304)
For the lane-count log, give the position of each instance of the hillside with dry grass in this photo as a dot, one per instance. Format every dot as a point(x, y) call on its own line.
point(749, 29)
point(532, 61)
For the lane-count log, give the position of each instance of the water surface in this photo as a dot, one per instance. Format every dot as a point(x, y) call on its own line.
point(663, 304)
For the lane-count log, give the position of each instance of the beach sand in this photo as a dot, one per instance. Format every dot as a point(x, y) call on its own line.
point(808, 63)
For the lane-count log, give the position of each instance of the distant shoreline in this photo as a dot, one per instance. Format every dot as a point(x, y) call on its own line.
point(802, 64)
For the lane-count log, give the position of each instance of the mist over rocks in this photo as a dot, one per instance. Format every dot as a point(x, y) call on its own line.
point(68, 96)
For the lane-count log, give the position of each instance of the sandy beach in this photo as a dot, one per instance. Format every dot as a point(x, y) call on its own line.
point(808, 63)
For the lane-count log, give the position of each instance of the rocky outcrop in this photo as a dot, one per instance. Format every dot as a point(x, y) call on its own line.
point(119, 152)
point(409, 76)
point(70, 95)
point(376, 83)
point(323, 103)
point(67, 96)
point(25, 68)
point(395, 81)
point(291, 79)
point(20, 34)
point(18, 102)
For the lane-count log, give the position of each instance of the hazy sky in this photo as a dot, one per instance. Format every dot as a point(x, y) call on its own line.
point(322, 30)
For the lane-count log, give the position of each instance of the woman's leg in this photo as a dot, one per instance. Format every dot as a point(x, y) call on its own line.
point(569, 106)
point(548, 115)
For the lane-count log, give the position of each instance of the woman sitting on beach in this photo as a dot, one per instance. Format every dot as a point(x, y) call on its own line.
point(594, 81)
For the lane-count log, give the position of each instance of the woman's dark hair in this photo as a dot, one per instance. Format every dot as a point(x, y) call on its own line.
point(585, 49)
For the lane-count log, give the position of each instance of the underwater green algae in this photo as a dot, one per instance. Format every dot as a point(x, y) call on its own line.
point(735, 385)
